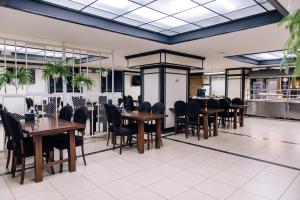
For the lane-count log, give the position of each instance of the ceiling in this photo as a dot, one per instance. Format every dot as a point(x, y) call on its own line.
point(37, 28)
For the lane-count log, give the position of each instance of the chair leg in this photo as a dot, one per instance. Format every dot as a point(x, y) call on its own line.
point(23, 171)
point(148, 140)
point(83, 154)
point(51, 158)
point(108, 136)
point(8, 158)
point(13, 166)
point(121, 142)
point(114, 141)
point(61, 157)
point(198, 132)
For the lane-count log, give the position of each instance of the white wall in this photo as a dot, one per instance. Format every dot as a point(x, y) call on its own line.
point(218, 87)
point(234, 88)
point(151, 86)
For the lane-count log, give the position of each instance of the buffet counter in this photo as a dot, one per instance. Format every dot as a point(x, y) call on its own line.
point(287, 109)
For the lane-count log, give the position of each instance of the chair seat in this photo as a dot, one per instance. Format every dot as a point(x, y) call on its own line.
point(181, 120)
point(29, 147)
point(61, 141)
point(126, 130)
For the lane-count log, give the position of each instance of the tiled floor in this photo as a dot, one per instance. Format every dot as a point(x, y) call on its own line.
point(180, 171)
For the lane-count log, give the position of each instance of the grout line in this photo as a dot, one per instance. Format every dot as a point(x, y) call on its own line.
point(289, 186)
point(235, 154)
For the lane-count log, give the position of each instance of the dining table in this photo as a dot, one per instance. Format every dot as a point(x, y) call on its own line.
point(238, 111)
point(48, 126)
point(206, 112)
point(141, 118)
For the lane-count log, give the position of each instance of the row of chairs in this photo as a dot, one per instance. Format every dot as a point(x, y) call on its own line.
point(20, 145)
point(117, 127)
point(189, 113)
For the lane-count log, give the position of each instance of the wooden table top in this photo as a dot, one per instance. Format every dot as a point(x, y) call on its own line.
point(206, 111)
point(136, 115)
point(48, 126)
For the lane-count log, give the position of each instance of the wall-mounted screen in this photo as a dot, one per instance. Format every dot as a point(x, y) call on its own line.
point(136, 80)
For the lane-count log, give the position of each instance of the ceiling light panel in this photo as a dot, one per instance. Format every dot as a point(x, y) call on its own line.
point(168, 23)
point(169, 33)
point(211, 21)
point(171, 7)
point(99, 13)
point(126, 20)
point(225, 6)
point(185, 28)
point(143, 2)
point(202, 1)
point(68, 4)
point(265, 56)
point(145, 15)
point(268, 6)
point(84, 2)
point(118, 7)
point(245, 12)
point(195, 14)
point(152, 28)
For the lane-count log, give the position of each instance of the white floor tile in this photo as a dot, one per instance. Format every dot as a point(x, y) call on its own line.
point(187, 178)
point(145, 177)
point(144, 194)
point(193, 195)
point(93, 194)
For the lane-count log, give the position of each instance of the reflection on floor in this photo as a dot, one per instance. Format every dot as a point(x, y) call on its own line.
point(181, 171)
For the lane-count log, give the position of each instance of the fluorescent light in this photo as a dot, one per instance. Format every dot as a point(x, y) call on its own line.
point(115, 6)
point(145, 14)
point(168, 22)
point(225, 6)
point(196, 14)
point(85, 2)
point(172, 6)
point(266, 56)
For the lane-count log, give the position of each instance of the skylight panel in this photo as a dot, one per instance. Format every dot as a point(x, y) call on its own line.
point(265, 56)
point(142, 2)
point(152, 28)
point(185, 28)
point(115, 6)
point(171, 7)
point(202, 1)
point(212, 21)
point(128, 21)
point(195, 14)
point(84, 2)
point(279, 54)
point(168, 23)
point(225, 6)
point(68, 4)
point(145, 15)
point(253, 57)
point(268, 6)
point(245, 12)
point(99, 13)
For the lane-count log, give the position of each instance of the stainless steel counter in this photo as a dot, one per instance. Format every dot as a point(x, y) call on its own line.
point(274, 108)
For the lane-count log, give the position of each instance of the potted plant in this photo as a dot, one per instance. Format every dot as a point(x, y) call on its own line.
point(81, 81)
point(19, 78)
point(292, 45)
point(56, 70)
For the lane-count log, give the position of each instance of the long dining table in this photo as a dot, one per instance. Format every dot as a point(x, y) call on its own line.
point(141, 118)
point(206, 112)
point(50, 126)
point(238, 111)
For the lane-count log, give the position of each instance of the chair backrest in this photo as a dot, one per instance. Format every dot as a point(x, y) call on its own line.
point(116, 116)
point(120, 101)
point(201, 102)
point(228, 99)
point(145, 107)
point(107, 111)
point(50, 109)
point(81, 116)
point(29, 103)
point(130, 97)
point(179, 107)
point(224, 104)
point(14, 127)
point(158, 108)
point(128, 105)
point(66, 113)
point(213, 103)
point(102, 99)
point(78, 102)
point(237, 101)
point(140, 99)
point(192, 110)
point(4, 122)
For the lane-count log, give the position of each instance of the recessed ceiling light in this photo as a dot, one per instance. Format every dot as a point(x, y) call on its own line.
point(169, 22)
point(115, 6)
point(145, 14)
point(172, 6)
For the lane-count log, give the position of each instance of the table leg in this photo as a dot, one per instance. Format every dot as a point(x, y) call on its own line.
point(235, 119)
point(216, 125)
point(72, 151)
point(91, 122)
point(242, 117)
point(158, 134)
point(140, 137)
point(205, 126)
point(176, 127)
point(38, 158)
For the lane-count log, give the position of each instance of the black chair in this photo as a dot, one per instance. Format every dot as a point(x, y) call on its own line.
point(120, 129)
point(50, 110)
point(237, 101)
point(109, 121)
point(99, 114)
point(29, 103)
point(62, 142)
point(145, 107)
point(201, 102)
point(78, 102)
point(150, 128)
point(180, 115)
point(22, 146)
point(213, 104)
point(7, 139)
point(140, 99)
point(224, 115)
point(66, 113)
point(193, 118)
point(129, 105)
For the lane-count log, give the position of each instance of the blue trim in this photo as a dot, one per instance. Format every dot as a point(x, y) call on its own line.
point(72, 16)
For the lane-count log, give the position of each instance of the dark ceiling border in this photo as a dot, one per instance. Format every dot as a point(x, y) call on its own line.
point(64, 14)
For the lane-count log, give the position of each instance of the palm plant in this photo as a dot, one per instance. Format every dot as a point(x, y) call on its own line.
point(19, 77)
point(81, 80)
point(292, 45)
point(56, 70)
point(4, 80)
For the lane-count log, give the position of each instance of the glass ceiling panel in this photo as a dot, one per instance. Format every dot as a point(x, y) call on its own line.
point(172, 6)
point(99, 13)
point(212, 21)
point(195, 14)
point(115, 6)
point(273, 55)
point(225, 6)
point(67, 3)
point(126, 20)
point(168, 23)
point(177, 16)
point(245, 12)
point(170, 33)
point(145, 15)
